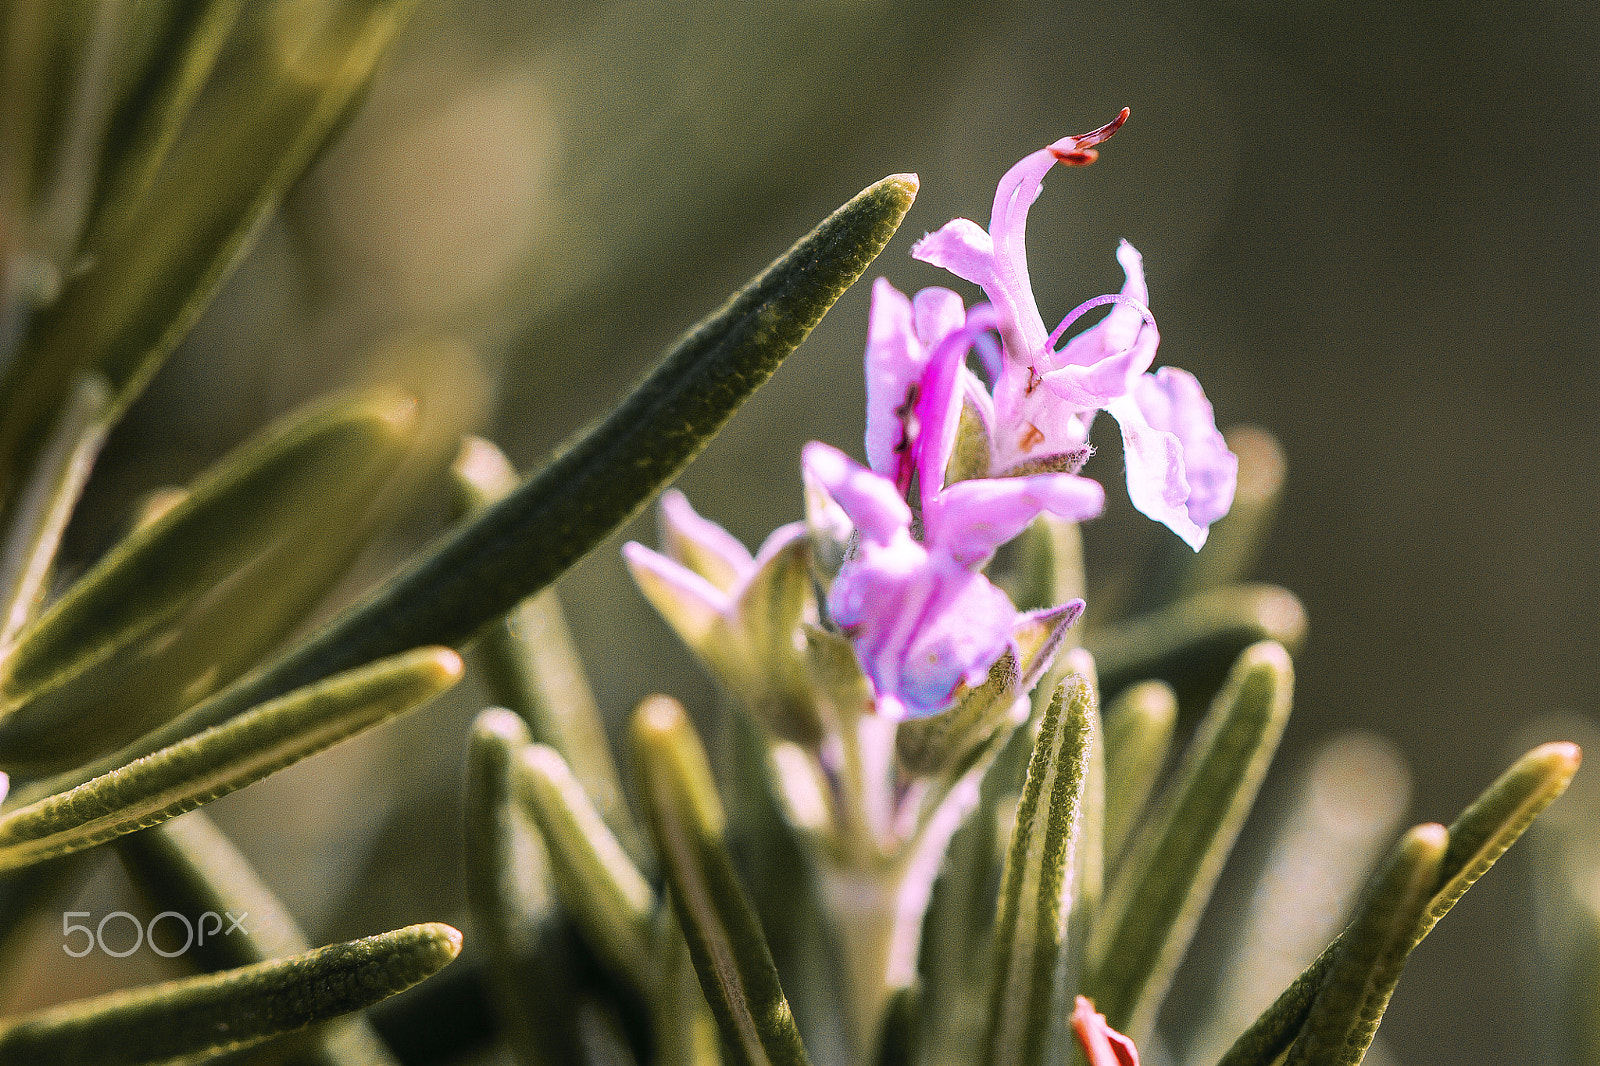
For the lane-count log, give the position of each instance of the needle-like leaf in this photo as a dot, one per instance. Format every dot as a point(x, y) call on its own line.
point(1477, 839)
point(188, 866)
point(218, 761)
point(593, 877)
point(531, 666)
point(188, 602)
point(1372, 952)
point(289, 84)
point(725, 940)
point(186, 1020)
point(523, 543)
point(1162, 886)
point(1036, 888)
point(513, 904)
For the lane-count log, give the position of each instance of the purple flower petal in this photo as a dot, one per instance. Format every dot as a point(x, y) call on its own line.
point(871, 501)
point(1180, 470)
point(701, 545)
point(1173, 400)
point(895, 362)
point(973, 518)
point(920, 622)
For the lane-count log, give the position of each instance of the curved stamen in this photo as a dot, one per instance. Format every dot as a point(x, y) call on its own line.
point(1081, 154)
point(1099, 301)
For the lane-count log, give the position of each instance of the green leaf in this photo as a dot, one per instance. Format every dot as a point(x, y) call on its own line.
point(1477, 839)
point(1160, 889)
point(201, 768)
point(725, 940)
point(190, 866)
point(523, 543)
point(685, 1032)
point(530, 962)
point(190, 601)
point(593, 877)
point(1139, 725)
point(287, 85)
point(1345, 812)
point(1372, 951)
point(1191, 644)
point(1036, 888)
point(168, 55)
point(532, 667)
point(1050, 564)
point(182, 1021)
point(34, 528)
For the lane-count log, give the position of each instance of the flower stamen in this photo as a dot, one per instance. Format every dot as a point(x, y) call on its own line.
point(1081, 154)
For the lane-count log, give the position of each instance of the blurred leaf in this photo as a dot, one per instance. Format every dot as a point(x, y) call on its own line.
point(1372, 951)
point(59, 78)
point(592, 875)
point(518, 546)
point(899, 1041)
point(513, 904)
point(166, 57)
point(1139, 725)
point(1192, 643)
point(289, 82)
point(182, 1021)
point(725, 941)
point(1050, 564)
point(201, 768)
point(1346, 809)
point(190, 601)
point(1036, 888)
point(684, 1030)
point(34, 527)
point(1159, 891)
point(1477, 839)
point(190, 866)
point(531, 666)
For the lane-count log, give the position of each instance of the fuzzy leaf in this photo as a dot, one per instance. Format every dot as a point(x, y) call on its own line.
point(725, 940)
point(203, 767)
point(190, 866)
point(289, 83)
point(1139, 725)
point(513, 904)
point(1477, 839)
point(531, 666)
point(593, 877)
point(183, 1021)
point(1159, 891)
point(1036, 888)
point(1372, 952)
point(518, 546)
point(190, 601)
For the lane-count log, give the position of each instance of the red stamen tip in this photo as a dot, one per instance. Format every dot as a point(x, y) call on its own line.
point(1081, 154)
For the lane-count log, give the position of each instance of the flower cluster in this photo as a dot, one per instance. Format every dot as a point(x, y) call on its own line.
point(956, 467)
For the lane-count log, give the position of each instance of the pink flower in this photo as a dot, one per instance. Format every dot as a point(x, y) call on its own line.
point(1045, 398)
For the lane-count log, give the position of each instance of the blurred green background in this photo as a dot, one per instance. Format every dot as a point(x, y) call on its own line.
point(1370, 227)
